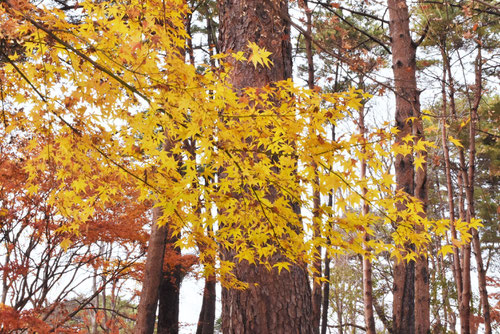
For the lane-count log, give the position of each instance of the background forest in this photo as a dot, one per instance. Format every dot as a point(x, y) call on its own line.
point(315, 166)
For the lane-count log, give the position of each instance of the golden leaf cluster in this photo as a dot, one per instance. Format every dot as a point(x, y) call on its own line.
point(111, 92)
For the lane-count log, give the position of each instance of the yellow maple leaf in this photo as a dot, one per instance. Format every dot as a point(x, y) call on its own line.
point(281, 265)
point(259, 55)
point(419, 161)
point(446, 249)
point(475, 223)
point(408, 138)
point(455, 141)
point(239, 56)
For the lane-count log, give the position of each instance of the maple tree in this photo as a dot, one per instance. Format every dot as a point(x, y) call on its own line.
point(112, 112)
point(41, 274)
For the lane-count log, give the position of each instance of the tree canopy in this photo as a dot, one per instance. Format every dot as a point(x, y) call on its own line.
point(109, 119)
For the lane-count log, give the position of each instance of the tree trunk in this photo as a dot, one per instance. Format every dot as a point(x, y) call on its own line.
point(483, 293)
point(207, 314)
point(326, 285)
point(280, 303)
point(463, 283)
point(154, 277)
point(367, 265)
point(422, 288)
point(326, 296)
point(464, 308)
point(403, 60)
point(409, 314)
point(457, 271)
point(403, 312)
point(146, 314)
point(168, 312)
point(206, 319)
point(316, 290)
point(422, 296)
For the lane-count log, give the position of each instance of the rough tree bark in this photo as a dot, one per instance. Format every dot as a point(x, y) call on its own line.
point(410, 310)
point(403, 57)
point(280, 303)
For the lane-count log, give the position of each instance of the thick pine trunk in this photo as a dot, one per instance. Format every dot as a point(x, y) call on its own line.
point(279, 303)
point(422, 296)
point(403, 58)
point(410, 309)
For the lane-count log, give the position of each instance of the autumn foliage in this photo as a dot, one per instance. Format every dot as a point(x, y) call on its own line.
point(104, 119)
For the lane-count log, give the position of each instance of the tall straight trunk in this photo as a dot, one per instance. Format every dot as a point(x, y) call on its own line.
point(403, 312)
point(464, 309)
point(367, 265)
point(206, 319)
point(403, 65)
point(316, 290)
point(146, 314)
point(170, 286)
point(422, 287)
point(464, 293)
point(466, 182)
point(273, 303)
point(483, 293)
point(410, 309)
point(457, 271)
point(161, 286)
point(326, 285)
